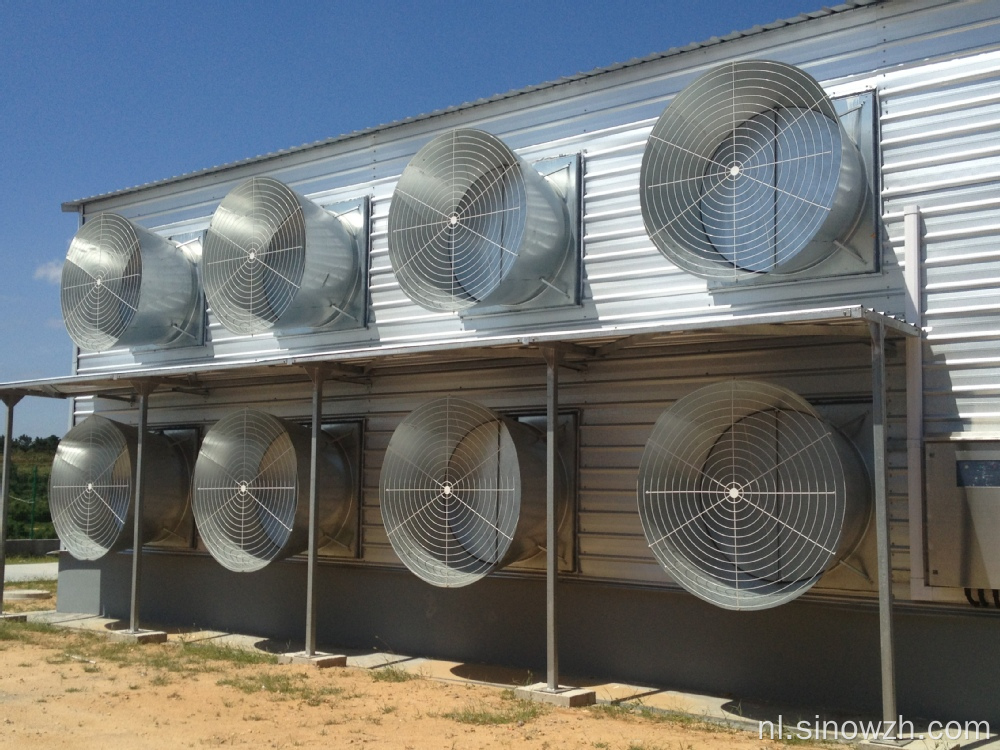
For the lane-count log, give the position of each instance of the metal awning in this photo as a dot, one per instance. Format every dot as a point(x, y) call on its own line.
point(576, 345)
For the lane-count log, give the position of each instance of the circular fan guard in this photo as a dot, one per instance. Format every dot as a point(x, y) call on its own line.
point(454, 502)
point(471, 223)
point(747, 497)
point(251, 489)
point(101, 280)
point(125, 285)
point(246, 490)
point(90, 487)
point(273, 259)
point(254, 255)
point(749, 171)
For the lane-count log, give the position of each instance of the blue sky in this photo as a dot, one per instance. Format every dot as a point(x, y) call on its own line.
point(96, 96)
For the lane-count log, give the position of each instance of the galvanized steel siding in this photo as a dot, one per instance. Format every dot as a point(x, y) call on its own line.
point(934, 67)
point(941, 153)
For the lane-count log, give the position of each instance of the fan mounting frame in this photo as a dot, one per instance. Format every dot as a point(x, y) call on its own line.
point(160, 288)
point(566, 526)
point(355, 216)
point(475, 228)
point(275, 262)
point(192, 332)
point(250, 488)
point(719, 204)
point(859, 253)
point(345, 542)
point(749, 496)
point(563, 174)
point(462, 492)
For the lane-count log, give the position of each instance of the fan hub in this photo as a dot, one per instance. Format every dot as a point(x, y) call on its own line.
point(735, 170)
point(98, 282)
point(453, 220)
point(243, 488)
point(446, 489)
point(735, 492)
point(90, 486)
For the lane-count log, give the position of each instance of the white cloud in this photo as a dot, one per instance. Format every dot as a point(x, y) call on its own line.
point(50, 272)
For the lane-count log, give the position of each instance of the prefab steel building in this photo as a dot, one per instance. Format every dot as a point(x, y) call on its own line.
point(617, 294)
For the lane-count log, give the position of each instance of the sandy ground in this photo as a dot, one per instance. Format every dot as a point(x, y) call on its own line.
point(66, 689)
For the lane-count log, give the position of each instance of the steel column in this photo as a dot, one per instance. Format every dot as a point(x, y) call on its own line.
point(886, 645)
point(8, 449)
point(551, 540)
point(143, 389)
point(317, 375)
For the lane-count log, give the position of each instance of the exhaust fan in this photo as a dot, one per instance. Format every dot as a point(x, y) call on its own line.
point(251, 489)
point(747, 496)
point(749, 171)
point(91, 489)
point(471, 224)
point(124, 285)
point(273, 259)
point(463, 491)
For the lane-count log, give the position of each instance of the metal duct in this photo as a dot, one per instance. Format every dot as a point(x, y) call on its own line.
point(124, 285)
point(463, 491)
point(749, 171)
point(473, 224)
point(273, 259)
point(747, 496)
point(91, 488)
point(251, 489)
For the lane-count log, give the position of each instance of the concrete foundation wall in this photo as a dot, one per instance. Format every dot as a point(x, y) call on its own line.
point(811, 654)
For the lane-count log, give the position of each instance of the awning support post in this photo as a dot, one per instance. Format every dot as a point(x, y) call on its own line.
point(143, 389)
point(317, 375)
point(551, 539)
point(8, 448)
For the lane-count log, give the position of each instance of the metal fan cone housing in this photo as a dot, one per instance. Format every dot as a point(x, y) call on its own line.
point(123, 285)
point(274, 260)
point(749, 171)
point(462, 491)
point(472, 224)
point(251, 489)
point(747, 497)
point(92, 488)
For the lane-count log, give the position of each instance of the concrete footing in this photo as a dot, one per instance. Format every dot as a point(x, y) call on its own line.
point(318, 660)
point(567, 697)
point(139, 636)
point(14, 617)
point(15, 594)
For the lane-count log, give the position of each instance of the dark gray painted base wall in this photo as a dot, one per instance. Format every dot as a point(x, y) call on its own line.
point(814, 655)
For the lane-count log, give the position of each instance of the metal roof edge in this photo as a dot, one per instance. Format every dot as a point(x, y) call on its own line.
point(76, 385)
point(74, 205)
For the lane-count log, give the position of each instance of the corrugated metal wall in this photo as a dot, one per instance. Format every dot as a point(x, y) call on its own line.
point(935, 68)
point(617, 401)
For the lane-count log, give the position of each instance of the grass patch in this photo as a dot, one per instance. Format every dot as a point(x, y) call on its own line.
point(26, 632)
point(393, 674)
point(238, 656)
point(281, 686)
point(510, 711)
point(633, 710)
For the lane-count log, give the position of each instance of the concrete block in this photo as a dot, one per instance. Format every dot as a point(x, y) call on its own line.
point(140, 636)
point(568, 697)
point(318, 660)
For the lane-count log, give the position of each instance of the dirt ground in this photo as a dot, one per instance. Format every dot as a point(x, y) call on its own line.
point(68, 689)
